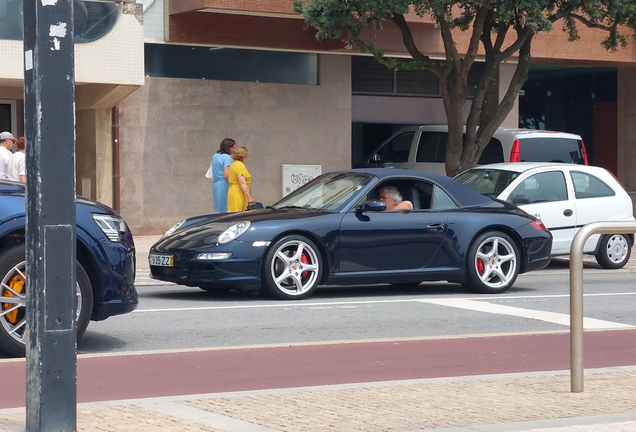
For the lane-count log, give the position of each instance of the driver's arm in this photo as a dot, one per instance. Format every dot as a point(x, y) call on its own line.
point(404, 205)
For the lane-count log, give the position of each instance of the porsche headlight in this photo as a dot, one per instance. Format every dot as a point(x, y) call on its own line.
point(174, 228)
point(233, 232)
point(112, 226)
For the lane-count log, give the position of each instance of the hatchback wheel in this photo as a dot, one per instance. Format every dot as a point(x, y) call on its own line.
point(293, 268)
point(493, 263)
point(614, 251)
point(13, 301)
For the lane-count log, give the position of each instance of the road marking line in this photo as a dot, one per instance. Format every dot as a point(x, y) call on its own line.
point(551, 317)
point(317, 305)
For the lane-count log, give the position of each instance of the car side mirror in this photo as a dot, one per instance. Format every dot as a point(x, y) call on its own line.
point(372, 206)
point(520, 200)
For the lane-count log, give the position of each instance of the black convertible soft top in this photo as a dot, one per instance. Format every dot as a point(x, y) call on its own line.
point(463, 195)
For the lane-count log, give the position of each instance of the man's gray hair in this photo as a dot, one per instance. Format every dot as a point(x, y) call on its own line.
point(393, 192)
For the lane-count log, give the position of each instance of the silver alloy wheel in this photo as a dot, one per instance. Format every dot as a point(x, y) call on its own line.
point(291, 275)
point(498, 262)
point(13, 301)
point(617, 248)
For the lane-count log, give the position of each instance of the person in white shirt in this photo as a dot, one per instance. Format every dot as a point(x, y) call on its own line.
point(16, 168)
point(6, 145)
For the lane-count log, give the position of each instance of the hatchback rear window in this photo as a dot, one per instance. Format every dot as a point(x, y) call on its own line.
point(551, 150)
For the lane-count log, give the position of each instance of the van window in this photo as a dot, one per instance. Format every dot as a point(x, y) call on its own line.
point(493, 153)
point(551, 150)
point(588, 186)
point(396, 150)
point(432, 147)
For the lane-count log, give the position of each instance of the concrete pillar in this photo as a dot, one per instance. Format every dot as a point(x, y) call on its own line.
point(94, 155)
point(626, 134)
point(506, 71)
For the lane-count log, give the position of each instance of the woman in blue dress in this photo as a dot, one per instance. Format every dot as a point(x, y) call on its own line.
point(221, 162)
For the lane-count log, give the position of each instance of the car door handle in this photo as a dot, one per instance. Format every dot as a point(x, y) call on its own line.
point(436, 227)
point(567, 212)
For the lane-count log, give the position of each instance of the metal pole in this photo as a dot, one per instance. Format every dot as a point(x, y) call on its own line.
point(49, 97)
point(576, 292)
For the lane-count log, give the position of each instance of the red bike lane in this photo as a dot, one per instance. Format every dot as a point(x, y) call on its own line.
point(130, 375)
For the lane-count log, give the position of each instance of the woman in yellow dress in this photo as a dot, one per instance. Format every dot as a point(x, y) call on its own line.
point(239, 194)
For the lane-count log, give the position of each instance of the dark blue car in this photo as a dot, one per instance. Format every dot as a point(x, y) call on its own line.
point(105, 266)
point(336, 230)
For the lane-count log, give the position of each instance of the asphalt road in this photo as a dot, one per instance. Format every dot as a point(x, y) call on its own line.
point(175, 317)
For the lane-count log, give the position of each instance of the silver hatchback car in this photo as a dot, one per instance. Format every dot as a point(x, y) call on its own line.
point(424, 148)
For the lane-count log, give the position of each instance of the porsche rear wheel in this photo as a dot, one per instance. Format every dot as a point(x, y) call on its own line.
point(293, 268)
point(13, 301)
point(492, 263)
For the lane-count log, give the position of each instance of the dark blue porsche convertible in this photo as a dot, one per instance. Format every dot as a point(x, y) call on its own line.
point(342, 228)
point(105, 266)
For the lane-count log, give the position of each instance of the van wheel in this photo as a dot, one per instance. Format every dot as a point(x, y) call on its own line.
point(13, 300)
point(614, 251)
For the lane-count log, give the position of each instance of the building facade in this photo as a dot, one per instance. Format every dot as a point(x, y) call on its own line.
point(109, 66)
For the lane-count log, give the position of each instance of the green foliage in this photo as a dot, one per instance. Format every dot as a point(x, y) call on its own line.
point(345, 19)
point(503, 28)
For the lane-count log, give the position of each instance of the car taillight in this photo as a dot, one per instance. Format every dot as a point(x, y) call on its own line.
point(584, 153)
point(617, 180)
point(538, 225)
point(514, 154)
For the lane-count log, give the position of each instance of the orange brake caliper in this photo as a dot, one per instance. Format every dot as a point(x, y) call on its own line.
point(17, 285)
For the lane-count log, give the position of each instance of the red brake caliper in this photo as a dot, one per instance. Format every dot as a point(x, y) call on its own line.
point(304, 260)
point(480, 266)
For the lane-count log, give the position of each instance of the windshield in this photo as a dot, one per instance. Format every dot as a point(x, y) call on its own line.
point(487, 182)
point(329, 192)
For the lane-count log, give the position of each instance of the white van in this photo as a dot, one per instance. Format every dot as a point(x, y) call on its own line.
point(424, 148)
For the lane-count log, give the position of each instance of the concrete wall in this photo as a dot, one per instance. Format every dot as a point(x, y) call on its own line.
point(153, 22)
point(94, 155)
point(626, 133)
point(170, 128)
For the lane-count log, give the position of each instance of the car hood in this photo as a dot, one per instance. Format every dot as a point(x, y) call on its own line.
point(203, 231)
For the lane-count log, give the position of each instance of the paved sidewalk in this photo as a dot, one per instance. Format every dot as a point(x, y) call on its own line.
point(537, 402)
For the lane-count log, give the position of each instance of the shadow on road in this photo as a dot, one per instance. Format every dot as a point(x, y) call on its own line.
point(93, 342)
point(424, 289)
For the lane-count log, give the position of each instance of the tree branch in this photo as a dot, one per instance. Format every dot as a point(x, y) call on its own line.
point(507, 102)
point(502, 31)
point(473, 45)
point(407, 38)
point(591, 24)
point(522, 37)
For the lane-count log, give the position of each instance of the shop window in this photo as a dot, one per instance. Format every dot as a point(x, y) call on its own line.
point(92, 19)
point(227, 64)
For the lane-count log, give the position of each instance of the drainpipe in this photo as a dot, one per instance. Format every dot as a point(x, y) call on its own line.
point(115, 125)
point(146, 3)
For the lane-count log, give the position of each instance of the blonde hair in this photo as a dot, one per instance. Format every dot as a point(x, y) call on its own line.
point(239, 153)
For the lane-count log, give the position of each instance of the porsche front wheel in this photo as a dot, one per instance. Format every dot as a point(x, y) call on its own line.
point(292, 268)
